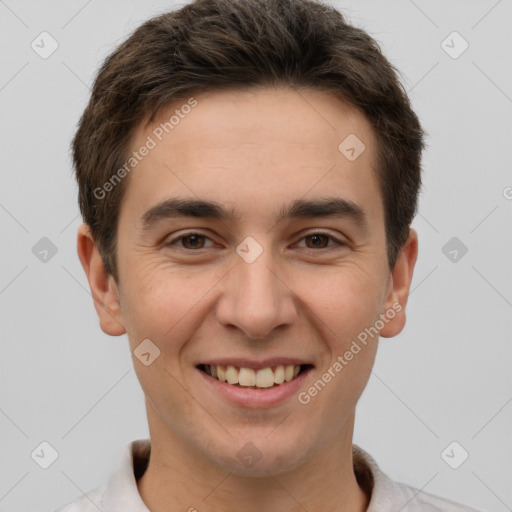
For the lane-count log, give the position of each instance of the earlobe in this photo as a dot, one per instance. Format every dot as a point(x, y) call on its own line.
point(103, 288)
point(400, 283)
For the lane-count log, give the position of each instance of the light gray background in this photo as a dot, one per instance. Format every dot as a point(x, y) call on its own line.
point(445, 378)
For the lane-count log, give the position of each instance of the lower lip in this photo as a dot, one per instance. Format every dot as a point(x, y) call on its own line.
point(256, 397)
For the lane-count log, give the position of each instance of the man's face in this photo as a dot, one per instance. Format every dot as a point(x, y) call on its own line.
point(251, 289)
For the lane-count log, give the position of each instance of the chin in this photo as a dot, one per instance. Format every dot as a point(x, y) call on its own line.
point(260, 456)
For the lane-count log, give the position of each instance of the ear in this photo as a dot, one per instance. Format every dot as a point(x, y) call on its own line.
point(103, 288)
point(399, 284)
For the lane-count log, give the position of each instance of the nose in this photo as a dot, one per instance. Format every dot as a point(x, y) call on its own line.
point(255, 298)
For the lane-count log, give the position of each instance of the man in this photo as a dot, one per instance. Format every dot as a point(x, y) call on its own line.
point(248, 172)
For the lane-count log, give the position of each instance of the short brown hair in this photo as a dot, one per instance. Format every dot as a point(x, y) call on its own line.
point(220, 44)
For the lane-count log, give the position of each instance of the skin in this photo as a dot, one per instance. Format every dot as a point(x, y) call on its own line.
point(255, 151)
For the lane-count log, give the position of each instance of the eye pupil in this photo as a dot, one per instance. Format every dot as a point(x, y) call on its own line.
point(194, 239)
point(318, 239)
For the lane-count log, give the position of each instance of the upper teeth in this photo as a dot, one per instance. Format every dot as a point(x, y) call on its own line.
point(263, 378)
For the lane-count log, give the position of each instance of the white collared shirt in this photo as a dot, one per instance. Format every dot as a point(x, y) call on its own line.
point(120, 493)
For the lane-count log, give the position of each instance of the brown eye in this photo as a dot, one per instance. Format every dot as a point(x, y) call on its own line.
point(189, 241)
point(196, 241)
point(317, 240)
point(321, 241)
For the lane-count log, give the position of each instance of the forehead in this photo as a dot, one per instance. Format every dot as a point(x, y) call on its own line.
point(255, 147)
point(247, 117)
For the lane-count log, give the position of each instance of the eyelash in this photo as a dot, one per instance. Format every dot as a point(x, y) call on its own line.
point(321, 233)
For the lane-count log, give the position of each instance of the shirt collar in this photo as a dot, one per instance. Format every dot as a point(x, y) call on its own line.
point(122, 494)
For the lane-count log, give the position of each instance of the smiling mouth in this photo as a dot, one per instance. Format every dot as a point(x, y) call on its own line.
point(263, 378)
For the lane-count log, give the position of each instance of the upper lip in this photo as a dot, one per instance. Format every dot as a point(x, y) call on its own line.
point(241, 362)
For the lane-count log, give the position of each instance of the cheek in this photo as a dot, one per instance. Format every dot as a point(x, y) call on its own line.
point(344, 301)
point(349, 312)
point(164, 303)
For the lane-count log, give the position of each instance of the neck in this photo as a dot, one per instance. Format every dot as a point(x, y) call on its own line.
point(180, 478)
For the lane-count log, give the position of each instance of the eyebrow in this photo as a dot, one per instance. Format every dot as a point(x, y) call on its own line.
point(300, 208)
